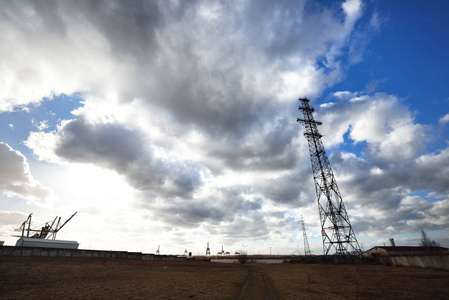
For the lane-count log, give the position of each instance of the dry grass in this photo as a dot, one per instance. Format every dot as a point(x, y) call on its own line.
point(357, 282)
point(103, 278)
point(100, 278)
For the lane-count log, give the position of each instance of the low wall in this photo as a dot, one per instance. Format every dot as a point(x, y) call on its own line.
point(293, 259)
point(428, 261)
point(27, 251)
point(331, 259)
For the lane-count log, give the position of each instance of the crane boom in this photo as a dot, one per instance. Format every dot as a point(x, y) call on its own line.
point(57, 229)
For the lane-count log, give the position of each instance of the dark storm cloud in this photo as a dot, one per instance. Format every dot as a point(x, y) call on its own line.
point(252, 227)
point(190, 214)
point(294, 189)
point(267, 147)
point(118, 148)
point(223, 205)
point(130, 27)
point(257, 226)
point(432, 170)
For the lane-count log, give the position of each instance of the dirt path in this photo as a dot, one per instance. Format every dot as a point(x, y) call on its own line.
point(256, 286)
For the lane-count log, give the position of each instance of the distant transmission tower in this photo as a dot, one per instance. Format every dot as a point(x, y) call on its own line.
point(207, 249)
point(336, 230)
point(306, 242)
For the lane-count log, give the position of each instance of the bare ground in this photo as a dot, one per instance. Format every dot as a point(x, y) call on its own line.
point(103, 278)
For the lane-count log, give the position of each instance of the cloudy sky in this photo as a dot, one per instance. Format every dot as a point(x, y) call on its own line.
point(173, 123)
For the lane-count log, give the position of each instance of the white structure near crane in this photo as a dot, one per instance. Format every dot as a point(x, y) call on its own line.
point(45, 237)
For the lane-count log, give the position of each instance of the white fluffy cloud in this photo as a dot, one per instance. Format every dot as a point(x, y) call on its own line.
point(10, 220)
point(16, 179)
point(380, 120)
point(191, 104)
point(205, 53)
point(388, 187)
point(444, 119)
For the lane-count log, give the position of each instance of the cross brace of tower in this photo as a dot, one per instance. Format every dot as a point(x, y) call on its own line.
point(336, 229)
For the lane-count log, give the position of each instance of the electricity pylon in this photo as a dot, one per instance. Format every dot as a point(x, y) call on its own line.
point(207, 249)
point(336, 230)
point(306, 242)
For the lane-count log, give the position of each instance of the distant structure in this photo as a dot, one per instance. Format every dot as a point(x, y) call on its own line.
point(336, 230)
point(306, 242)
point(157, 251)
point(392, 243)
point(44, 237)
point(222, 252)
point(207, 249)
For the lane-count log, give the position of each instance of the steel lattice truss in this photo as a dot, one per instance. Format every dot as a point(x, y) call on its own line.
point(306, 242)
point(336, 230)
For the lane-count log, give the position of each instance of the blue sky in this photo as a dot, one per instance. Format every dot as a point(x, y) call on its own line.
point(407, 57)
point(174, 124)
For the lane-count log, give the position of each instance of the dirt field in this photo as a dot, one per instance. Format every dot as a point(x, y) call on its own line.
point(103, 278)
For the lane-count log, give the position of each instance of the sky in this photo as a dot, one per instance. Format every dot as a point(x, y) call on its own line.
point(172, 124)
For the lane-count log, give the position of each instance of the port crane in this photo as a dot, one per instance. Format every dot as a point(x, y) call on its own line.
point(48, 231)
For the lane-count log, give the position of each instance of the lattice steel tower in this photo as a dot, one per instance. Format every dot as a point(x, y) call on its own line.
point(336, 230)
point(306, 242)
point(207, 249)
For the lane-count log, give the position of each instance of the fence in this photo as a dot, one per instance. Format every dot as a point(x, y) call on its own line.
point(428, 261)
point(27, 251)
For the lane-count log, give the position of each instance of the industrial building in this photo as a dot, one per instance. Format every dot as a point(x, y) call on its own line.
point(44, 243)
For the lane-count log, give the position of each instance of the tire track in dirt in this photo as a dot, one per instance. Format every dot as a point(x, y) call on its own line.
point(256, 286)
